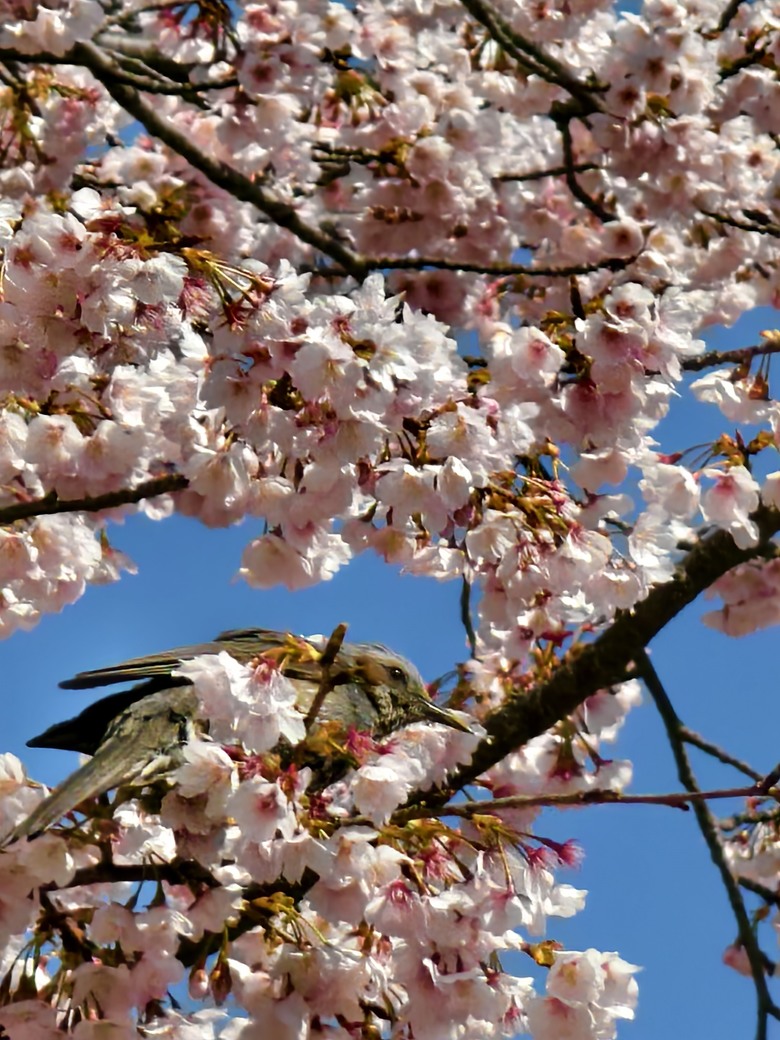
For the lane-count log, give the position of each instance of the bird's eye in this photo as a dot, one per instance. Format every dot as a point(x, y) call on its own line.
point(396, 673)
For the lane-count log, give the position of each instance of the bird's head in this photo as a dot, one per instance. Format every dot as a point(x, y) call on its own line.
point(393, 687)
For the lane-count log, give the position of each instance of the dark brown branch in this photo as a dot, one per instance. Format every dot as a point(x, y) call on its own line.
point(531, 57)
point(767, 894)
point(135, 74)
point(553, 171)
point(107, 873)
point(110, 500)
point(729, 11)
point(143, 51)
point(709, 831)
point(761, 227)
point(696, 740)
point(147, 70)
point(754, 56)
point(770, 780)
point(604, 662)
point(490, 806)
point(738, 356)
point(125, 17)
point(405, 263)
point(572, 183)
point(232, 181)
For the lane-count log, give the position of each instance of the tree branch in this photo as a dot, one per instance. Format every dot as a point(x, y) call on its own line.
point(489, 806)
point(709, 831)
point(696, 740)
point(604, 662)
point(574, 186)
point(553, 171)
point(739, 356)
point(727, 15)
point(93, 504)
point(762, 225)
point(531, 57)
point(419, 263)
point(232, 181)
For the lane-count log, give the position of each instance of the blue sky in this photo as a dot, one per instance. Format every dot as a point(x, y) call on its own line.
point(653, 894)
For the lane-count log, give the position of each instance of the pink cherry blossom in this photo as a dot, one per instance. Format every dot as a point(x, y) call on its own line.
point(731, 500)
point(391, 277)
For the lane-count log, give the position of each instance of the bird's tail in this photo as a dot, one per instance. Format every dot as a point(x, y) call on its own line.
point(116, 763)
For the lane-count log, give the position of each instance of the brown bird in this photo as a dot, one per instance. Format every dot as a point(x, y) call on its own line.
point(137, 735)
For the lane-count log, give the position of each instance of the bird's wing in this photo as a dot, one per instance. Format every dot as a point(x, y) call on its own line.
point(84, 732)
point(245, 642)
point(107, 769)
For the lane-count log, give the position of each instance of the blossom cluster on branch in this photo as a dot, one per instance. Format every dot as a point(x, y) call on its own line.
point(420, 278)
point(313, 910)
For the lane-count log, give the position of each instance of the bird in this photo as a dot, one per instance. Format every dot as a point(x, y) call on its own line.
point(137, 736)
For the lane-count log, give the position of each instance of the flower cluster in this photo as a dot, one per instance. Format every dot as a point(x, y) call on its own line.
point(410, 920)
point(421, 279)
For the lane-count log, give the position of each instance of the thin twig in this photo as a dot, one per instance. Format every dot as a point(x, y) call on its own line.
point(709, 831)
point(490, 806)
point(691, 737)
point(767, 894)
point(532, 58)
point(572, 183)
point(768, 228)
point(739, 356)
point(465, 615)
point(326, 662)
point(553, 171)
point(177, 872)
point(149, 80)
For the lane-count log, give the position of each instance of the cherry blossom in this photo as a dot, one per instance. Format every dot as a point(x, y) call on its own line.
point(731, 500)
point(420, 280)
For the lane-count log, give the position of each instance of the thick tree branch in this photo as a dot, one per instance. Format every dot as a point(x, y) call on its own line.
point(604, 662)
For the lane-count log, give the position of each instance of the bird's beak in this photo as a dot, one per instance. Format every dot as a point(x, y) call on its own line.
point(433, 713)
